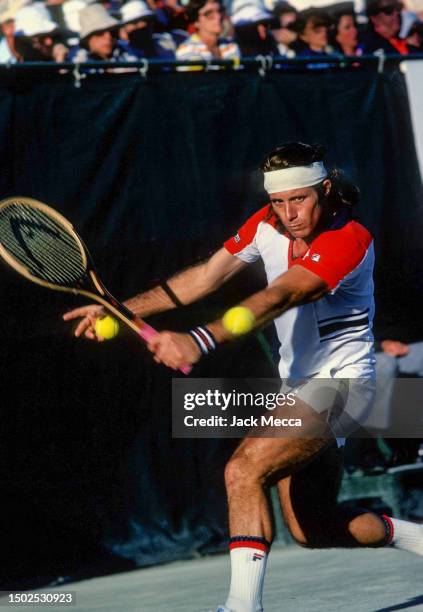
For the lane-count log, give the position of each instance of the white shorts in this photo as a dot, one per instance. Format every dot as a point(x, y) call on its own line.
point(347, 401)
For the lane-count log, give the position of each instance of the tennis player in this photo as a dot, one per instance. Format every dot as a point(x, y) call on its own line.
point(319, 265)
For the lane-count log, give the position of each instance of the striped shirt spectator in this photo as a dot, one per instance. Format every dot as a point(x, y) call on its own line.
point(194, 48)
point(207, 42)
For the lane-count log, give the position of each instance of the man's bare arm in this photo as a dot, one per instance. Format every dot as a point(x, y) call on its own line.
point(295, 287)
point(188, 286)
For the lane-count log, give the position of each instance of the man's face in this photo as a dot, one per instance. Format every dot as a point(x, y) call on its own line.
point(387, 22)
point(298, 210)
point(102, 44)
point(210, 20)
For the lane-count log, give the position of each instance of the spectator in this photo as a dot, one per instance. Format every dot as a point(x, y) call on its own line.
point(407, 20)
point(71, 10)
point(66, 14)
point(99, 38)
point(37, 37)
point(344, 36)
point(137, 22)
point(382, 33)
point(207, 42)
point(58, 11)
point(8, 53)
point(313, 27)
point(415, 36)
point(252, 24)
point(171, 16)
point(394, 359)
point(284, 30)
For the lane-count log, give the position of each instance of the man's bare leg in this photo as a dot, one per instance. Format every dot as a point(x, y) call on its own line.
point(309, 473)
point(310, 509)
point(254, 465)
point(309, 506)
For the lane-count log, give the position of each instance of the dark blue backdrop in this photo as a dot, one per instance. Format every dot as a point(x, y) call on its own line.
point(155, 174)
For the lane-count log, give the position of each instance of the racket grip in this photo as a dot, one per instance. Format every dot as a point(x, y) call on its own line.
point(147, 332)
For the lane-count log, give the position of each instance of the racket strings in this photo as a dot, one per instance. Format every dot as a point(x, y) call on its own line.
point(41, 244)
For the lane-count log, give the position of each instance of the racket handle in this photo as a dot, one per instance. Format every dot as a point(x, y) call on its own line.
point(147, 332)
point(186, 370)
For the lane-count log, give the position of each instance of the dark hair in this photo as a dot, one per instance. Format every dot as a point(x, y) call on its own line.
point(317, 16)
point(283, 7)
point(373, 7)
point(337, 16)
point(333, 33)
point(343, 194)
point(194, 7)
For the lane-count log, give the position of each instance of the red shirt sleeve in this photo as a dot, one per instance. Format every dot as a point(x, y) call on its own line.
point(336, 253)
point(244, 238)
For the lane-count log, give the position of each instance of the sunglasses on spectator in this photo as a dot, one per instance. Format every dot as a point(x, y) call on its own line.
point(212, 12)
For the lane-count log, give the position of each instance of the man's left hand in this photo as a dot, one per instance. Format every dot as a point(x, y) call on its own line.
point(174, 350)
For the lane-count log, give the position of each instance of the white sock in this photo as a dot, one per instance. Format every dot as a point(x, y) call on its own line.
point(405, 535)
point(248, 566)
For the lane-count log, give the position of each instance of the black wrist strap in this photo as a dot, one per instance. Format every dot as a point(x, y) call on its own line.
point(170, 294)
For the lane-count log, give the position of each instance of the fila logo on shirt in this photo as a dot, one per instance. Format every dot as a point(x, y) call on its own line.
point(315, 257)
point(237, 238)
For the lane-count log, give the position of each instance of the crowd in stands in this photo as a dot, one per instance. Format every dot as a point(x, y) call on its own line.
point(87, 30)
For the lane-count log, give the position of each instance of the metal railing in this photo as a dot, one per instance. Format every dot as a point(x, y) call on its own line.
point(260, 64)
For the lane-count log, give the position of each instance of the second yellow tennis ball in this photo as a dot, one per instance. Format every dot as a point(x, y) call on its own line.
point(238, 320)
point(107, 327)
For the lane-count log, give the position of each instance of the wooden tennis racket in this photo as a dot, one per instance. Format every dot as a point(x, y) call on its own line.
point(43, 246)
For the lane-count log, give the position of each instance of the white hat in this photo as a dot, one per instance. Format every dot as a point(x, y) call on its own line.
point(33, 20)
point(95, 18)
point(247, 13)
point(71, 10)
point(9, 8)
point(134, 10)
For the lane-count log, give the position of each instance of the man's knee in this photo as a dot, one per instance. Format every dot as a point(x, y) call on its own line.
point(241, 471)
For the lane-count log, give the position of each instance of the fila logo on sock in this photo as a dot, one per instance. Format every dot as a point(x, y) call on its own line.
point(257, 557)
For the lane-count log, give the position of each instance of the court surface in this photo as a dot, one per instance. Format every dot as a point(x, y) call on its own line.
point(298, 580)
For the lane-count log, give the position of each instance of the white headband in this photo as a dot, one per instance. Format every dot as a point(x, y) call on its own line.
point(294, 178)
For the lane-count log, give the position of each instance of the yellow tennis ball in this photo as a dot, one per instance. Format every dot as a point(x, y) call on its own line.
point(107, 327)
point(238, 320)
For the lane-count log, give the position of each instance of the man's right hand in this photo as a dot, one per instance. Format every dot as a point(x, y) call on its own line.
point(89, 315)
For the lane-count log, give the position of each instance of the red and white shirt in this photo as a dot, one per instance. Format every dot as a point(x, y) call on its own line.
point(332, 336)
